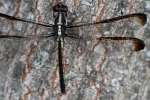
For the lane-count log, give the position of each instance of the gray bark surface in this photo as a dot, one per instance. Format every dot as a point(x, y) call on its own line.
point(110, 70)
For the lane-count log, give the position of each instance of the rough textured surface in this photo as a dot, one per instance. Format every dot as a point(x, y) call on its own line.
point(104, 71)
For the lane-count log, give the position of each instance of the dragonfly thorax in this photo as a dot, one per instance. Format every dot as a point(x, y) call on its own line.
point(60, 15)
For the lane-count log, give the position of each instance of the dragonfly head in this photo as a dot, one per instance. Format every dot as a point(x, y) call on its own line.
point(60, 8)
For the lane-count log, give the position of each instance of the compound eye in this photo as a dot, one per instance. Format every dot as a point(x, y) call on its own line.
point(55, 14)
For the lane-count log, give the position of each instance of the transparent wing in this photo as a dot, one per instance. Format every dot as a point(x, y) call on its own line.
point(27, 36)
point(8, 26)
point(25, 20)
point(137, 43)
point(140, 17)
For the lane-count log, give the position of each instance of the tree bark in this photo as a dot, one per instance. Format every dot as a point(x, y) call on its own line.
point(107, 70)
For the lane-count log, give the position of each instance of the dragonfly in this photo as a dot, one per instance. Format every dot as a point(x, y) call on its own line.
point(60, 11)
